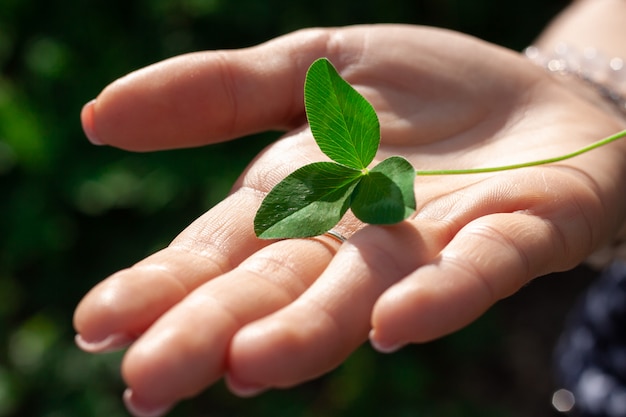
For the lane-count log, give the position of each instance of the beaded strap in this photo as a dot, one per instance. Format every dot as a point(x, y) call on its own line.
point(606, 75)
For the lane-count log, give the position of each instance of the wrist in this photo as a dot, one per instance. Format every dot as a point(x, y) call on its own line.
point(588, 23)
point(593, 75)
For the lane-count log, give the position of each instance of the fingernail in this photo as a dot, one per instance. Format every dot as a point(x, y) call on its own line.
point(242, 389)
point(139, 408)
point(383, 346)
point(87, 120)
point(110, 343)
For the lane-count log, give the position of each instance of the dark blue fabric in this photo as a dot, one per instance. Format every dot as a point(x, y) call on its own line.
point(591, 354)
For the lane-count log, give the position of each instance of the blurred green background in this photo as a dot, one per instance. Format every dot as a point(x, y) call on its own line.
point(72, 213)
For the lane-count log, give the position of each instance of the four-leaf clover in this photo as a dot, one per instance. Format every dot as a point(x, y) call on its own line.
point(312, 200)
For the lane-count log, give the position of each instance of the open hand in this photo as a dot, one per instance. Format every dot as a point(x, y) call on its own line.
point(220, 302)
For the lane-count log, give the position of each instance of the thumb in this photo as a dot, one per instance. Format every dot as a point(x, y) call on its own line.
point(206, 97)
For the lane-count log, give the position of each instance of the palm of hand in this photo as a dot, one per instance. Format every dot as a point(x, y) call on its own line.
point(273, 314)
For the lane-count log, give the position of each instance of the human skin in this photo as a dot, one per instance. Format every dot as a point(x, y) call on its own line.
point(219, 302)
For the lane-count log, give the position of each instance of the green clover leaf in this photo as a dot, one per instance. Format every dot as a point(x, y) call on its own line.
point(311, 200)
point(385, 195)
point(308, 202)
point(344, 124)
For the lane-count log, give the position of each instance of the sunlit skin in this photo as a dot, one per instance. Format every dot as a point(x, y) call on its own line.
point(271, 314)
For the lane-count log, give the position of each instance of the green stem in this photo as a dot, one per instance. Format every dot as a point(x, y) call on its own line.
point(526, 164)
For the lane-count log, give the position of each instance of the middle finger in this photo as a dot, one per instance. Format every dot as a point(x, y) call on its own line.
point(331, 319)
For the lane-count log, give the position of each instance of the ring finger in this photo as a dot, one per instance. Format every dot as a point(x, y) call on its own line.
point(185, 350)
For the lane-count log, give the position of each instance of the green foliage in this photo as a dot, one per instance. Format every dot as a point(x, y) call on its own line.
point(71, 213)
